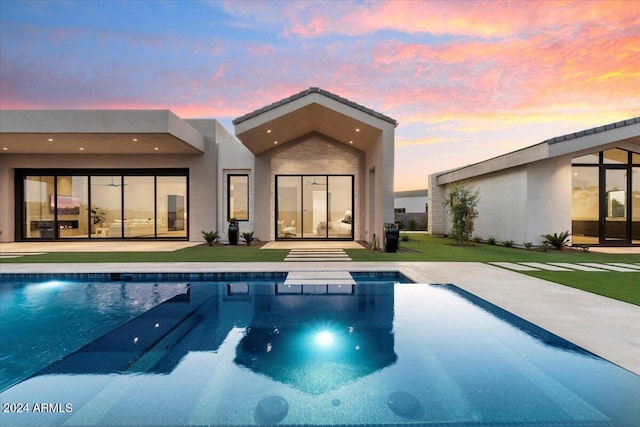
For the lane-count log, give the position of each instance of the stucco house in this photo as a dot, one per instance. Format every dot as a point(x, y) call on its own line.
point(587, 183)
point(311, 166)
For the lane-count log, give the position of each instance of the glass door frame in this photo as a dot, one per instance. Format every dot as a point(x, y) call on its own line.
point(604, 238)
point(301, 204)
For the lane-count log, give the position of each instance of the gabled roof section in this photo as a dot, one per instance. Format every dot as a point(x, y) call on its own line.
point(309, 92)
point(591, 131)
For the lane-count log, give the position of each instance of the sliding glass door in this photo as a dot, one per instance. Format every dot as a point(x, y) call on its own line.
point(121, 204)
point(314, 207)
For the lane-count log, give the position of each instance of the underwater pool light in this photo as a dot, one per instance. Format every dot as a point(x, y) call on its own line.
point(325, 338)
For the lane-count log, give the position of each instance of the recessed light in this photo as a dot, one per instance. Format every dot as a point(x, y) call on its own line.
point(268, 130)
point(357, 129)
point(350, 142)
point(275, 142)
point(156, 148)
point(50, 139)
point(81, 148)
point(5, 148)
point(135, 139)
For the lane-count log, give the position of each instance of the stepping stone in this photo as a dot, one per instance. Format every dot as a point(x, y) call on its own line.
point(625, 265)
point(317, 255)
point(577, 266)
point(514, 266)
point(544, 266)
point(609, 267)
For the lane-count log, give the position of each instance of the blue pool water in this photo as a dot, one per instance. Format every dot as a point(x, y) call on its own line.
point(370, 354)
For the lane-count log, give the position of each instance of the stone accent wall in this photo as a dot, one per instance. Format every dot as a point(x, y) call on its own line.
point(315, 156)
point(437, 212)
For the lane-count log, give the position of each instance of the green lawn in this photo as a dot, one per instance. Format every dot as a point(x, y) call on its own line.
point(192, 254)
point(420, 247)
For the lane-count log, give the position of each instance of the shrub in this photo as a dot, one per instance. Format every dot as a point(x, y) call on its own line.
point(462, 204)
point(558, 241)
point(477, 239)
point(527, 245)
point(210, 236)
point(401, 224)
point(507, 243)
point(583, 247)
point(491, 240)
point(413, 224)
point(425, 224)
point(545, 246)
point(248, 237)
point(404, 237)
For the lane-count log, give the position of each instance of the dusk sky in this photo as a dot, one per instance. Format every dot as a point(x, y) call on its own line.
point(466, 80)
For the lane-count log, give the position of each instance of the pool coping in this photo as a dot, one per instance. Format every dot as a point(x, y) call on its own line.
point(601, 325)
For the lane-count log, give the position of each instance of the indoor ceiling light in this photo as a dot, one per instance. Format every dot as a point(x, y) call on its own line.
point(50, 139)
point(357, 129)
point(81, 148)
point(135, 139)
point(156, 148)
point(268, 130)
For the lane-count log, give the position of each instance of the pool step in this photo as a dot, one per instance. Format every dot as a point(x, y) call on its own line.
point(137, 344)
point(319, 278)
point(315, 255)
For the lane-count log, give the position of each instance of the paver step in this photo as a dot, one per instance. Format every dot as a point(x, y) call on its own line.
point(567, 266)
point(319, 278)
point(317, 255)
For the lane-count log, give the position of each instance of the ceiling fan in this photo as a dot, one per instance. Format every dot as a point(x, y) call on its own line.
point(315, 183)
point(112, 184)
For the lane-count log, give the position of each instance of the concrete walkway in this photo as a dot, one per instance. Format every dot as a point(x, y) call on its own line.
point(606, 327)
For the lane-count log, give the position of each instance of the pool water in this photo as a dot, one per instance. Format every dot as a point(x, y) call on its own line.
point(44, 321)
point(367, 354)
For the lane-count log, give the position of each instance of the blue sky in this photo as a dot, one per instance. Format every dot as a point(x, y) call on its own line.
point(467, 80)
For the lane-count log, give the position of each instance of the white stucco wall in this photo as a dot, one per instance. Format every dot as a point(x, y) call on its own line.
point(234, 159)
point(548, 198)
point(523, 203)
point(502, 205)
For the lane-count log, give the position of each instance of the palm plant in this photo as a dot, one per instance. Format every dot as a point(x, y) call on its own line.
point(556, 240)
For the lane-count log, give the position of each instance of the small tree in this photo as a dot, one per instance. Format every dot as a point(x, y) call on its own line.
point(462, 204)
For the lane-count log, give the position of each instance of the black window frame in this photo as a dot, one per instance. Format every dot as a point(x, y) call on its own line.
point(229, 176)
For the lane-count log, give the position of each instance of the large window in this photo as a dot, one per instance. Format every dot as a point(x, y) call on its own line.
point(238, 197)
point(103, 205)
point(606, 198)
point(314, 207)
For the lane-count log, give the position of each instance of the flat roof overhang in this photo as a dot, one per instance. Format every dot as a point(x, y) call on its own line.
point(97, 132)
point(311, 113)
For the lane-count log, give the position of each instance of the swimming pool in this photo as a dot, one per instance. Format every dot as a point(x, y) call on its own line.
point(368, 354)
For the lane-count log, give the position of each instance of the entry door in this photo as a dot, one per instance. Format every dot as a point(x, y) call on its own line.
point(614, 210)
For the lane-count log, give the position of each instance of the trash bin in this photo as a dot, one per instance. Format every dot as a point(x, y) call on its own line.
point(391, 238)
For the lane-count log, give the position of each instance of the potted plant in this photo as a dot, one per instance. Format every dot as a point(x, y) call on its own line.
point(248, 237)
point(210, 236)
point(233, 231)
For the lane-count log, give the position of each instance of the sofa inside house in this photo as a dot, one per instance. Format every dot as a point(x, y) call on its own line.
point(137, 227)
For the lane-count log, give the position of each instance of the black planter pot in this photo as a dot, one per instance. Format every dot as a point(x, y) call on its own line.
point(233, 234)
point(391, 238)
